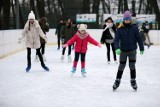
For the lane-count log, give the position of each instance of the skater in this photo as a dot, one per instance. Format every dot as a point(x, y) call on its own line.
point(81, 39)
point(32, 32)
point(58, 30)
point(108, 36)
point(145, 27)
point(45, 28)
point(66, 34)
point(125, 43)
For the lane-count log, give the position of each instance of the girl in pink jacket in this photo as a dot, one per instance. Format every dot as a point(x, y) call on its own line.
point(81, 38)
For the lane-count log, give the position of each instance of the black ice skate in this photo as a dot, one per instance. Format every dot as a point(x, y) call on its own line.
point(116, 84)
point(134, 84)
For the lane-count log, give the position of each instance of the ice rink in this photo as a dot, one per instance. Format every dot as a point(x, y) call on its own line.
point(57, 88)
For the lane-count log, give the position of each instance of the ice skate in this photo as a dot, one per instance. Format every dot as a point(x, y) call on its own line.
point(44, 58)
point(83, 72)
point(115, 61)
point(69, 58)
point(73, 71)
point(45, 68)
point(109, 62)
point(116, 84)
point(62, 58)
point(134, 84)
point(28, 68)
point(36, 59)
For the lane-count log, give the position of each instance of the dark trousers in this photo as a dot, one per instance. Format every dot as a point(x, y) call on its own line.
point(29, 56)
point(69, 50)
point(108, 51)
point(132, 61)
point(42, 48)
point(58, 40)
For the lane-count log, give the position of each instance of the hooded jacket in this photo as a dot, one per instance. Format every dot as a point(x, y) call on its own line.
point(32, 33)
point(126, 38)
point(82, 41)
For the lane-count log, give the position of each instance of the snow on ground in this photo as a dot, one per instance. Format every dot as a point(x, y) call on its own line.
point(57, 88)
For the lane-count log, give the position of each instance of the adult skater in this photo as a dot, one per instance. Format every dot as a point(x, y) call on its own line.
point(45, 28)
point(81, 39)
point(32, 31)
point(66, 34)
point(126, 40)
point(108, 36)
point(58, 32)
point(145, 27)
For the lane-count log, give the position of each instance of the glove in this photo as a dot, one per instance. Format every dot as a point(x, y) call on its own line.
point(118, 51)
point(141, 52)
point(19, 40)
point(65, 45)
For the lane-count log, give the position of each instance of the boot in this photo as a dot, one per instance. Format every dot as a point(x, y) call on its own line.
point(69, 58)
point(83, 72)
point(116, 84)
point(73, 71)
point(134, 84)
point(36, 58)
point(45, 68)
point(28, 68)
point(44, 58)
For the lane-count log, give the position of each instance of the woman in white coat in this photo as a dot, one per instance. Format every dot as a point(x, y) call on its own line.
point(32, 32)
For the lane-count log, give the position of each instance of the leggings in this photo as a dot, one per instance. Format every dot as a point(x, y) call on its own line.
point(29, 56)
point(108, 51)
point(77, 58)
point(42, 48)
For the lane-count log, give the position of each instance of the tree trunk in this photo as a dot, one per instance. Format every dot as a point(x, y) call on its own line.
point(6, 14)
point(62, 8)
point(40, 5)
point(32, 7)
point(119, 6)
point(95, 9)
point(156, 11)
point(140, 7)
point(125, 5)
point(107, 5)
point(86, 6)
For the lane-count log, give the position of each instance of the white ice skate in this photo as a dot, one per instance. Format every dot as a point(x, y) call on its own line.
point(44, 58)
point(109, 62)
point(69, 58)
point(36, 59)
point(62, 58)
point(73, 71)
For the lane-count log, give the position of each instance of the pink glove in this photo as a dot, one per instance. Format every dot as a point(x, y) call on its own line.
point(65, 45)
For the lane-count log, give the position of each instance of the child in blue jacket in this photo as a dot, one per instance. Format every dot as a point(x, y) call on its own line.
point(126, 39)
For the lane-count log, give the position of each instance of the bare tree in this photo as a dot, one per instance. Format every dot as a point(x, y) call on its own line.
point(32, 7)
point(120, 6)
point(125, 5)
point(6, 14)
point(40, 5)
point(154, 4)
point(140, 6)
point(86, 6)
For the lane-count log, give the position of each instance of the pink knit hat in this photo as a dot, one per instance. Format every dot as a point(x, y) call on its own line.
point(127, 15)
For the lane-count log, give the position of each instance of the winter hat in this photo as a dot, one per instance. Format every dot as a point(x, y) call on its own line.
point(82, 27)
point(127, 15)
point(31, 15)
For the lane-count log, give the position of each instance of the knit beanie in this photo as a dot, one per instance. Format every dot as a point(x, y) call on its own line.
point(31, 15)
point(82, 27)
point(127, 15)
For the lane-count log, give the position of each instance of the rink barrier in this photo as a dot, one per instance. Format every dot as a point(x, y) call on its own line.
point(9, 40)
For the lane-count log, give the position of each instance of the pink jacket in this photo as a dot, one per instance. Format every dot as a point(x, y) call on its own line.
point(81, 41)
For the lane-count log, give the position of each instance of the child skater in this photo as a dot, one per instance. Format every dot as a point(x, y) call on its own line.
point(81, 38)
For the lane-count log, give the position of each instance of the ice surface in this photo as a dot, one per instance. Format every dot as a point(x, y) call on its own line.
point(57, 88)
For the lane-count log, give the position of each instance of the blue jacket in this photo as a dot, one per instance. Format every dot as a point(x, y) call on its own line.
point(126, 38)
